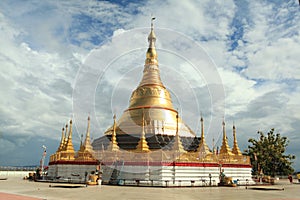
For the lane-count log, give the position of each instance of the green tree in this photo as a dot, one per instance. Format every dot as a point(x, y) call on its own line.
point(267, 154)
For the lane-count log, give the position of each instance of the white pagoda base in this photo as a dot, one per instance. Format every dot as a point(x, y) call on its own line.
point(72, 171)
point(174, 174)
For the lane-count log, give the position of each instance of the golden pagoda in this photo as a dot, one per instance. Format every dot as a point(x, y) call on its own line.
point(151, 145)
point(142, 145)
point(65, 138)
point(153, 99)
point(113, 146)
point(87, 142)
point(66, 152)
point(86, 151)
point(177, 146)
point(225, 149)
point(203, 148)
point(235, 148)
point(65, 163)
point(61, 146)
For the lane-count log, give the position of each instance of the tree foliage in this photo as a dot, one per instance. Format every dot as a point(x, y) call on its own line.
point(267, 154)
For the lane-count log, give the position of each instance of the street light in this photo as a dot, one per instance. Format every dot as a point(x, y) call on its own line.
point(43, 160)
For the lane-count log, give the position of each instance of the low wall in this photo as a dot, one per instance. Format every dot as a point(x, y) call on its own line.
point(21, 174)
point(70, 171)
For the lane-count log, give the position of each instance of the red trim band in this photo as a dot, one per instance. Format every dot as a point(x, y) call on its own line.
point(74, 162)
point(147, 107)
point(181, 164)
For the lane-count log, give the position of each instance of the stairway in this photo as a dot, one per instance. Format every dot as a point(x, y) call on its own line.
point(117, 171)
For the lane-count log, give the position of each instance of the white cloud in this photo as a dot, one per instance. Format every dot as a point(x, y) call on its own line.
point(34, 86)
point(277, 61)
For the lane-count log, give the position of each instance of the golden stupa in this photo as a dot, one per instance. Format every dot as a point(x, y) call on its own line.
point(150, 103)
point(150, 144)
point(66, 151)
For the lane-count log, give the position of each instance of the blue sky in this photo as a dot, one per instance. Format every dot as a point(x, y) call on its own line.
point(47, 47)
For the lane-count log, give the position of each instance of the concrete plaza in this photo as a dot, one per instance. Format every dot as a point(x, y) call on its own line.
point(17, 186)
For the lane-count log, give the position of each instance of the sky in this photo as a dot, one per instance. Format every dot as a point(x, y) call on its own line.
point(232, 60)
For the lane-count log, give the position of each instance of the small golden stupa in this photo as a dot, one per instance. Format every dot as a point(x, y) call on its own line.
point(66, 163)
point(66, 152)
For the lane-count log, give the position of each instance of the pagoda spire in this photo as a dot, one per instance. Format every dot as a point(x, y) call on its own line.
point(87, 143)
point(213, 146)
point(203, 148)
point(81, 147)
point(151, 56)
point(69, 145)
point(113, 146)
point(225, 149)
point(62, 140)
point(235, 149)
point(152, 98)
point(151, 71)
point(202, 130)
point(177, 146)
point(65, 138)
point(142, 146)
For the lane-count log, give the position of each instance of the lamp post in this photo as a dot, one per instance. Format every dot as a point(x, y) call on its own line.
point(43, 160)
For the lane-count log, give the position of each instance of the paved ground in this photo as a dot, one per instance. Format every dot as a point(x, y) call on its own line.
point(6, 196)
point(17, 186)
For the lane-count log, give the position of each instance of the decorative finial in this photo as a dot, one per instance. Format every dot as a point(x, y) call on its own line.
point(142, 145)
point(113, 146)
point(69, 145)
point(177, 124)
point(62, 140)
point(115, 125)
point(202, 129)
point(152, 19)
point(225, 147)
point(177, 146)
point(87, 142)
point(235, 149)
point(203, 148)
point(151, 55)
point(223, 123)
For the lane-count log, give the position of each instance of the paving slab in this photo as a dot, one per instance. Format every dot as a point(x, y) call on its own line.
point(38, 190)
